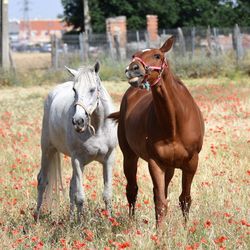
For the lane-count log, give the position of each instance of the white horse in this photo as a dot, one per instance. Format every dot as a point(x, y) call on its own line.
point(75, 124)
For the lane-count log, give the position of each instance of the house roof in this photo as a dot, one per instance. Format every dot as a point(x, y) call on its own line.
point(39, 25)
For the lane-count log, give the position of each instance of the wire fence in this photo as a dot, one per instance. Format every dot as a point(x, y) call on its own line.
point(189, 42)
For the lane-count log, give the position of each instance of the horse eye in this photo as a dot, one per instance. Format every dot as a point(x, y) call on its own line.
point(157, 56)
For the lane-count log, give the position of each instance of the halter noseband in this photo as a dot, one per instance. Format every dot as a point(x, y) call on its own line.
point(148, 69)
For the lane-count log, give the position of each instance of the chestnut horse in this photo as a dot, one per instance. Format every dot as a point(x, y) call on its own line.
point(163, 126)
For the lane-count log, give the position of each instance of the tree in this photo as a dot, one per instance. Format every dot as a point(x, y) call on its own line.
point(171, 14)
point(73, 14)
point(243, 13)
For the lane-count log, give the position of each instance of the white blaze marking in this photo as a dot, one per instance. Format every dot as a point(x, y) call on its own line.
point(145, 50)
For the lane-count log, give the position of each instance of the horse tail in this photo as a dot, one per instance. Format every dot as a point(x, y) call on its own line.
point(114, 116)
point(54, 178)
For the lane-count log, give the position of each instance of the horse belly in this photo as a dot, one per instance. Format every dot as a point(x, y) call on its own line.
point(173, 154)
point(136, 139)
point(58, 124)
point(58, 139)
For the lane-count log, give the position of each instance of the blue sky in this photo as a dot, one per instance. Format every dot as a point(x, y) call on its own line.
point(42, 9)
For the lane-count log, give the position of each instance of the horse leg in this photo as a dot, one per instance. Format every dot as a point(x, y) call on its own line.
point(158, 178)
point(130, 169)
point(42, 182)
point(76, 190)
point(168, 177)
point(42, 179)
point(107, 178)
point(187, 178)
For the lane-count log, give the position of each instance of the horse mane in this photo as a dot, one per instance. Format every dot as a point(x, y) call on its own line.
point(178, 80)
point(114, 116)
point(175, 77)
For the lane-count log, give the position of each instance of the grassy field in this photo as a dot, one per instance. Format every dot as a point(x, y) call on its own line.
point(220, 212)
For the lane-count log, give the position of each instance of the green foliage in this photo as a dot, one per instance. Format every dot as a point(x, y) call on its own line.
point(171, 14)
point(73, 13)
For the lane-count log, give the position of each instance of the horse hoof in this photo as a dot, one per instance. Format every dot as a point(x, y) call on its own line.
point(36, 216)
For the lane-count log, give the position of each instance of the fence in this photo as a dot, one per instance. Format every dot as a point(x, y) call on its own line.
point(190, 42)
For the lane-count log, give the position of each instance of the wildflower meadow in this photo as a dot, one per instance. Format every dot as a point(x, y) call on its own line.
point(220, 211)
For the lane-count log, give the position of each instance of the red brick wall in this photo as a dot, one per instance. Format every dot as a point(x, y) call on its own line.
point(117, 26)
point(152, 27)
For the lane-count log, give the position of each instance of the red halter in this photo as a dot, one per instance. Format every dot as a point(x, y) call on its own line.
point(153, 68)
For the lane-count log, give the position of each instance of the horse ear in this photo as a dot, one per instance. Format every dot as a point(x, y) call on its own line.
point(167, 45)
point(73, 72)
point(97, 66)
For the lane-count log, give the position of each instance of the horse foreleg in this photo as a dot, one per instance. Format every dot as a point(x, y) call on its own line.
point(76, 190)
point(168, 177)
point(158, 178)
point(188, 173)
point(107, 178)
point(130, 170)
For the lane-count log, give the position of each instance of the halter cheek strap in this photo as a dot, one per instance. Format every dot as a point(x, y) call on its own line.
point(152, 68)
point(147, 67)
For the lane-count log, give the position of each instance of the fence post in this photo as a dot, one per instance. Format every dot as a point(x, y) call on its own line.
point(138, 39)
point(238, 43)
point(81, 47)
point(217, 45)
point(54, 51)
point(193, 41)
point(4, 35)
point(117, 47)
point(181, 41)
point(110, 45)
point(147, 39)
point(86, 46)
point(209, 43)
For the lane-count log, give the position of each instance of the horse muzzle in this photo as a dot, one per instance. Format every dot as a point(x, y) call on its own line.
point(79, 124)
point(135, 74)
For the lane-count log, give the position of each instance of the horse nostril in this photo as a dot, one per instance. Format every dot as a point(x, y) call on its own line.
point(80, 122)
point(135, 67)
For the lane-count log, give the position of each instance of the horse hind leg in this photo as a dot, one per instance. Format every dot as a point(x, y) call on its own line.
point(107, 178)
point(42, 179)
point(188, 173)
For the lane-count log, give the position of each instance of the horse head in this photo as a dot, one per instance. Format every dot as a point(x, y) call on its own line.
point(86, 89)
point(147, 66)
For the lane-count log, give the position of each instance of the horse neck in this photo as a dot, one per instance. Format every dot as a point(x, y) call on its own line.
point(164, 104)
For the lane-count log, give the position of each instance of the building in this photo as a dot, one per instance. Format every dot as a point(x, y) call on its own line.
point(35, 31)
